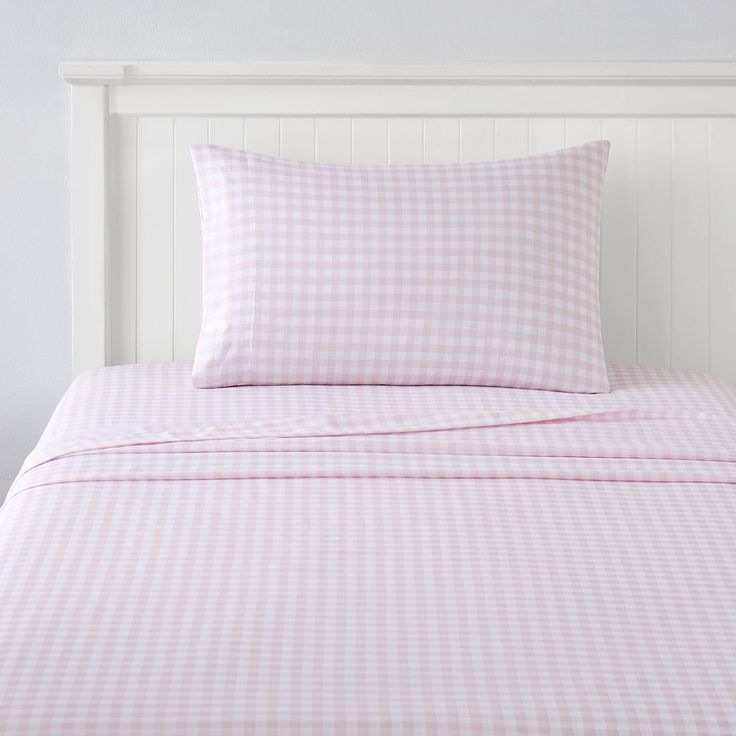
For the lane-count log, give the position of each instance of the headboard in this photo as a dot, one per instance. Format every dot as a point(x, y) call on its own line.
point(668, 284)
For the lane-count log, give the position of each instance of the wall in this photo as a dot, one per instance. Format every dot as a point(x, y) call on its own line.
point(34, 114)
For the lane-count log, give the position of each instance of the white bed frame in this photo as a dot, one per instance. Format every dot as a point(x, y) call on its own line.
point(668, 285)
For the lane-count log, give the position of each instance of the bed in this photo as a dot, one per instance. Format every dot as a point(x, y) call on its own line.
point(363, 559)
point(359, 559)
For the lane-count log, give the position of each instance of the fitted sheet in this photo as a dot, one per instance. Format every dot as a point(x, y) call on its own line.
point(373, 560)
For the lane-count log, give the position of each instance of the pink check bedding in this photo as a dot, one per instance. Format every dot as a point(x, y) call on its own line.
point(481, 274)
point(373, 560)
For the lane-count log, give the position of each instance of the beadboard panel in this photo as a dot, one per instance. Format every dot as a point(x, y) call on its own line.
point(155, 240)
point(668, 254)
point(668, 249)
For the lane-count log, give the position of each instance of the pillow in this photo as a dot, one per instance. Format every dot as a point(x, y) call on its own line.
point(461, 274)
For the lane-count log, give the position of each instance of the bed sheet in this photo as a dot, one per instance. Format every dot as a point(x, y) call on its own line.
point(373, 560)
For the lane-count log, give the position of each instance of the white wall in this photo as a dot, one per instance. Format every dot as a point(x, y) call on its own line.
point(34, 114)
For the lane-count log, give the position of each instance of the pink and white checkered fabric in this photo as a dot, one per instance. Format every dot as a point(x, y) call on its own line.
point(466, 274)
point(352, 560)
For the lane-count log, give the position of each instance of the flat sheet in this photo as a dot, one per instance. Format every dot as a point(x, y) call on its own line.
point(373, 560)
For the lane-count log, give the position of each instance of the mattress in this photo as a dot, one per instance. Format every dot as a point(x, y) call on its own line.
point(373, 560)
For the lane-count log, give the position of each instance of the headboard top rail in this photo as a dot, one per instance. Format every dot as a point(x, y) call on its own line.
point(311, 72)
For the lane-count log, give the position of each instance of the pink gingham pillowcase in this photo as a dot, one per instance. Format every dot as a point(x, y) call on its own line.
point(460, 274)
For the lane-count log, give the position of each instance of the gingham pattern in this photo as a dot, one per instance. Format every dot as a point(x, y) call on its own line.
point(351, 560)
point(466, 274)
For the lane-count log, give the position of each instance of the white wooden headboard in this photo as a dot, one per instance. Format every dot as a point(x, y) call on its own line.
point(668, 286)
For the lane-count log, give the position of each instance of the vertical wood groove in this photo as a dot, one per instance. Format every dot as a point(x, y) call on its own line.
point(137, 238)
point(121, 267)
point(636, 241)
point(723, 248)
point(187, 240)
point(710, 244)
point(173, 243)
point(155, 239)
point(690, 347)
point(672, 231)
